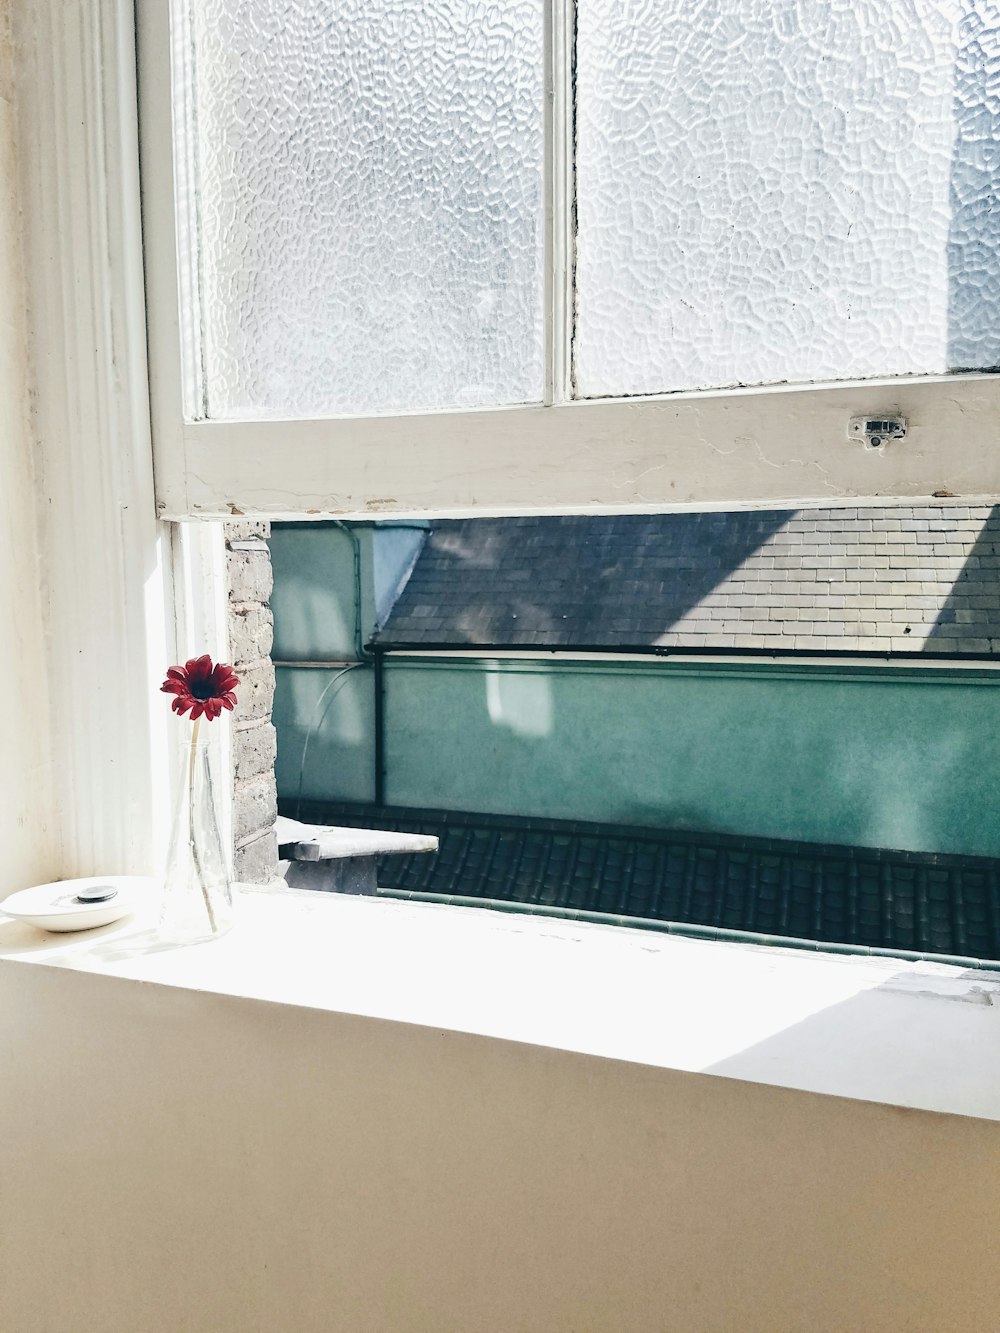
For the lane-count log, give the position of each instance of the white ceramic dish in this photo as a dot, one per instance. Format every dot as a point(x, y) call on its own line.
point(56, 906)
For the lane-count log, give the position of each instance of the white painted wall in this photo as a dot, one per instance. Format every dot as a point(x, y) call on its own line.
point(215, 1164)
point(357, 1116)
point(27, 854)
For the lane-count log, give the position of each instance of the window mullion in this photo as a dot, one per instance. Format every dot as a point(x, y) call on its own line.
point(560, 222)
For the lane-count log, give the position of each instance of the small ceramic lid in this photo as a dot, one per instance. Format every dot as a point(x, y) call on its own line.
point(77, 904)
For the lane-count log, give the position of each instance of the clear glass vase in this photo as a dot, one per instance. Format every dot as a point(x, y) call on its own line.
point(197, 891)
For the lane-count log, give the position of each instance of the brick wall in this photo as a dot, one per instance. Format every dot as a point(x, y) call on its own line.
point(251, 624)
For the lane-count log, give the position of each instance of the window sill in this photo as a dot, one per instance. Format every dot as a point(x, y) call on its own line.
point(915, 1035)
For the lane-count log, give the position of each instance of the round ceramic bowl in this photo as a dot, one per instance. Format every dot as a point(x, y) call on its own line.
point(78, 904)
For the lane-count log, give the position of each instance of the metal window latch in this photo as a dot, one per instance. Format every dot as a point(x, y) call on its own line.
point(876, 432)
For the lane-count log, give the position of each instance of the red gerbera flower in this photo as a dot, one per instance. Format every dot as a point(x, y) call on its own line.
point(201, 687)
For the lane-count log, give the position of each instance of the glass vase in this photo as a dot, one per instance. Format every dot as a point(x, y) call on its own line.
point(197, 890)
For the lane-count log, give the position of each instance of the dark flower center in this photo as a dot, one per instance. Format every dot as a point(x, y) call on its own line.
point(201, 689)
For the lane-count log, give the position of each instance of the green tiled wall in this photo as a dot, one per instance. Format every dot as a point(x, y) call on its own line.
point(330, 587)
point(338, 708)
point(881, 757)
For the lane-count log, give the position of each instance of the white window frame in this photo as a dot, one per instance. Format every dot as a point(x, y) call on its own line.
point(778, 445)
point(122, 596)
point(105, 562)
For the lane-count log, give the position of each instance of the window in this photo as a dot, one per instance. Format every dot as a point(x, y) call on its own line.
point(77, 108)
point(459, 257)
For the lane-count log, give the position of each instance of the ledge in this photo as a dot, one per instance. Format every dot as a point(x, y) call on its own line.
point(328, 842)
point(919, 1035)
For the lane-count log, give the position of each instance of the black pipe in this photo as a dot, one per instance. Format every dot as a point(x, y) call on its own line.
point(359, 631)
point(835, 655)
point(379, 729)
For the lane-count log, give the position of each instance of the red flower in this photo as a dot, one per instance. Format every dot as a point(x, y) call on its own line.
point(201, 687)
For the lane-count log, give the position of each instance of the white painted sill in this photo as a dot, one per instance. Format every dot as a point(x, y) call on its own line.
point(920, 1035)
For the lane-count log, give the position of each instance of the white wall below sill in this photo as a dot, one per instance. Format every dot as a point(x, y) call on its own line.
point(442, 1119)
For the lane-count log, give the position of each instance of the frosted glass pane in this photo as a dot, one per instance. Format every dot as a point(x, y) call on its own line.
point(363, 189)
point(785, 190)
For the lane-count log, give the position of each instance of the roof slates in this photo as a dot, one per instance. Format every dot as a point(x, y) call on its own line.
point(894, 579)
point(863, 896)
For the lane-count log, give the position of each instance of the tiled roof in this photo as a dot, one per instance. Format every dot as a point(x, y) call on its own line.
point(933, 904)
point(879, 580)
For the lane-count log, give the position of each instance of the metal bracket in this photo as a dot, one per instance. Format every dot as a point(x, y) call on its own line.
point(876, 432)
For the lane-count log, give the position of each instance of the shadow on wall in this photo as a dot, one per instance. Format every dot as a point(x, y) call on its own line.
point(849, 1041)
point(572, 581)
point(974, 235)
point(972, 609)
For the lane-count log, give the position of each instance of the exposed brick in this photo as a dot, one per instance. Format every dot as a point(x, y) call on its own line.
point(242, 528)
point(256, 809)
point(250, 578)
point(251, 632)
point(257, 862)
point(254, 750)
point(251, 628)
point(256, 693)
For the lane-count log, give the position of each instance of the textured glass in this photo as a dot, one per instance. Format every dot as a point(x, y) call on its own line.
point(785, 190)
point(361, 204)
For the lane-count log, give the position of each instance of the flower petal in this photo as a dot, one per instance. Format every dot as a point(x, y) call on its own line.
point(201, 687)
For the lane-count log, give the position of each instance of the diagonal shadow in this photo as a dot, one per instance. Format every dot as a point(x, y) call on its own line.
point(911, 1037)
point(574, 581)
point(969, 615)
